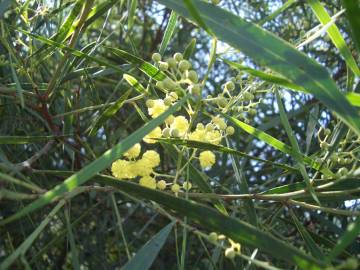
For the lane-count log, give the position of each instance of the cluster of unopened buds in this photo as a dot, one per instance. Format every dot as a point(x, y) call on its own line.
point(233, 247)
point(180, 78)
point(343, 156)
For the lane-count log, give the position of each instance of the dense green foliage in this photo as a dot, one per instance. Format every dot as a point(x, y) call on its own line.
point(179, 134)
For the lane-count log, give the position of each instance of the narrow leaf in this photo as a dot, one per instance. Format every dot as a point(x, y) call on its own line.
point(145, 257)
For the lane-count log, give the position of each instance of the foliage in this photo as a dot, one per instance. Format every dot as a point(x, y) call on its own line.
point(179, 134)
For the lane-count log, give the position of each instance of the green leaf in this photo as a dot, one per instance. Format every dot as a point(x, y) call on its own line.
point(145, 257)
point(351, 233)
point(169, 31)
point(275, 53)
point(74, 52)
point(196, 15)
point(334, 35)
point(352, 9)
point(21, 250)
point(189, 49)
point(74, 251)
point(98, 11)
point(131, 13)
point(28, 139)
point(277, 12)
point(313, 248)
point(108, 113)
point(213, 220)
point(296, 154)
point(95, 166)
point(261, 135)
point(134, 82)
point(144, 66)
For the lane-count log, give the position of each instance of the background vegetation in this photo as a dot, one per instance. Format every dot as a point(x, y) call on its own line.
point(285, 185)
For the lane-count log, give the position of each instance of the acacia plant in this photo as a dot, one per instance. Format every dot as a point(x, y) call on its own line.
point(176, 134)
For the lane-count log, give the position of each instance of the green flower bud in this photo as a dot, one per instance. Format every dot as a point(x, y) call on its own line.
point(230, 86)
point(163, 66)
point(173, 96)
point(169, 83)
point(230, 130)
point(195, 89)
point(156, 57)
point(168, 101)
point(184, 65)
point(213, 237)
point(222, 102)
point(174, 133)
point(171, 62)
point(187, 185)
point(252, 111)
point(178, 56)
point(248, 96)
point(327, 132)
point(166, 132)
point(192, 76)
point(342, 171)
point(160, 85)
point(324, 145)
point(230, 253)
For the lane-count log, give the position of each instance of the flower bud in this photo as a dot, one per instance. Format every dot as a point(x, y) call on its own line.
point(156, 57)
point(200, 126)
point(230, 86)
point(230, 253)
point(192, 76)
point(174, 133)
point(230, 130)
point(166, 132)
point(169, 83)
point(184, 65)
point(187, 185)
point(327, 132)
point(213, 237)
point(173, 96)
point(171, 62)
point(194, 90)
point(163, 66)
point(175, 188)
point(178, 56)
point(161, 184)
point(168, 101)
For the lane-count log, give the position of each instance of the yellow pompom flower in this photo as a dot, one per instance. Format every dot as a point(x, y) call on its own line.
point(198, 135)
point(175, 188)
point(151, 158)
point(213, 137)
point(207, 159)
point(123, 169)
point(148, 181)
point(143, 167)
point(161, 184)
point(181, 124)
point(158, 108)
point(133, 152)
point(154, 134)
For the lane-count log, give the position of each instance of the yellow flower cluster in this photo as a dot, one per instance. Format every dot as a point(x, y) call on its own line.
point(157, 107)
point(207, 159)
point(130, 169)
